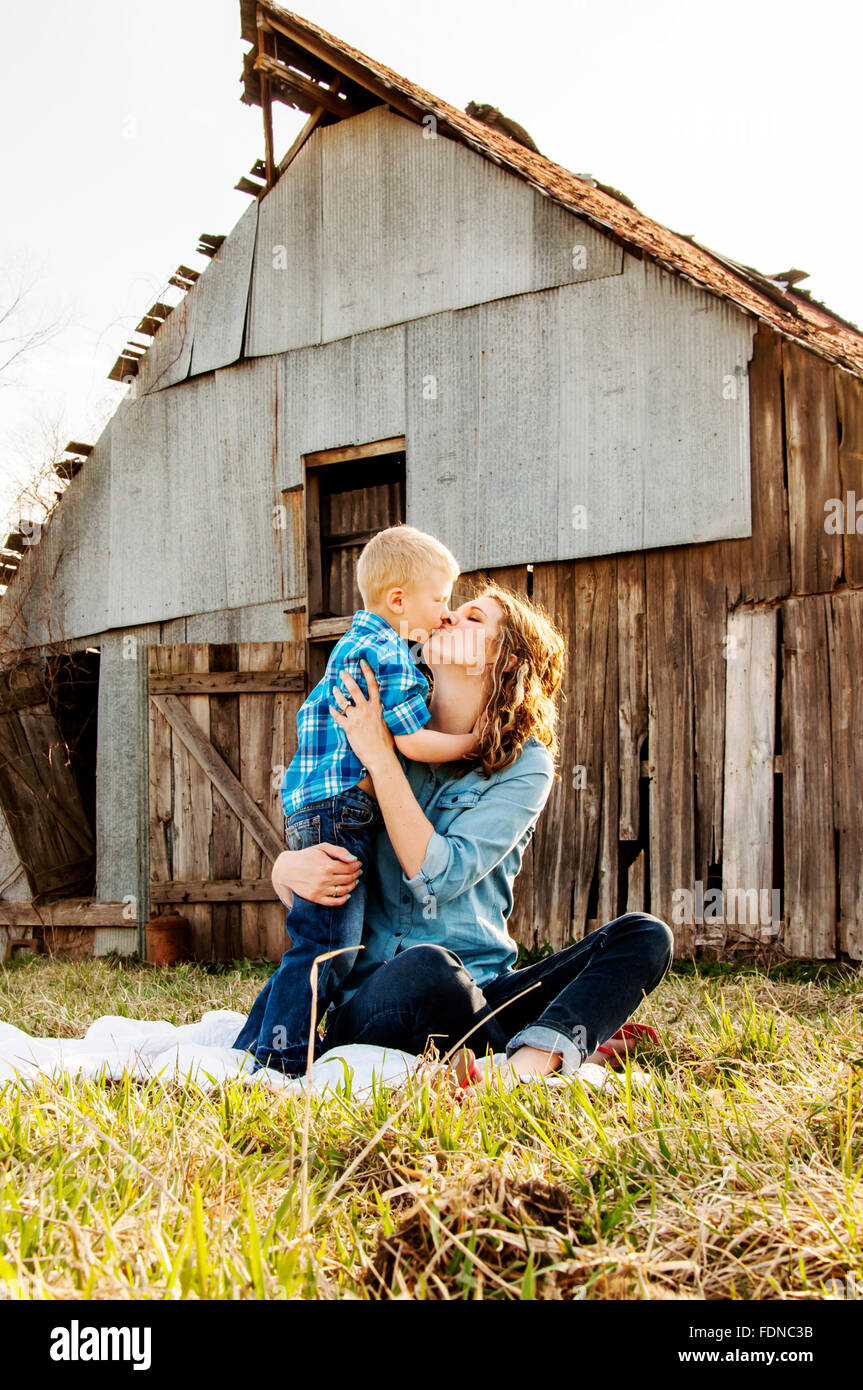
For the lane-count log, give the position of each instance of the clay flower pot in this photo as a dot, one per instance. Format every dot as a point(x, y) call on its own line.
point(167, 938)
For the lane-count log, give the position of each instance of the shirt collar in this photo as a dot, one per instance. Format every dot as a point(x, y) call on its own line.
point(373, 622)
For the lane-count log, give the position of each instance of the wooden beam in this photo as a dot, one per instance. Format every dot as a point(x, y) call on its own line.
point(308, 96)
point(67, 912)
point(52, 804)
point(807, 783)
point(750, 710)
point(223, 779)
point(396, 445)
point(323, 629)
point(310, 126)
point(230, 683)
point(354, 71)
point(241, 890)
point(266, 108)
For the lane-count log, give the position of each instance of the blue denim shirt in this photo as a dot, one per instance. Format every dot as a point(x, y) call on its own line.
point(462, 894)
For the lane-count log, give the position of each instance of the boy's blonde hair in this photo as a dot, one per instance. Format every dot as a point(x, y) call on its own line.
point(398, 556)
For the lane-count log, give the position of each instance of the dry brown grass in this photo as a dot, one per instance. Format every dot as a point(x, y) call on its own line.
point(737, 1174)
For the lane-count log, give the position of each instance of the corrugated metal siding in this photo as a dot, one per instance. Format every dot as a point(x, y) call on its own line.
point(222, 294)
point(626, 397)
point(248, 414)
point(205, 330)
point(139, 508)
point(381, 225)
point(169, 356)
point(350, 392)
point(88, 529)
point(285, 298)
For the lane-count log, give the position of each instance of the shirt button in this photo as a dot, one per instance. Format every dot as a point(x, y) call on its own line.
point(406, 897)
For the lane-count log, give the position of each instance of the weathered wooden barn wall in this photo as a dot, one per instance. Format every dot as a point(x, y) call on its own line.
point(712, 704)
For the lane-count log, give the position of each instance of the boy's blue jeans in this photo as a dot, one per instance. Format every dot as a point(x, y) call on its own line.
point(277, 1030)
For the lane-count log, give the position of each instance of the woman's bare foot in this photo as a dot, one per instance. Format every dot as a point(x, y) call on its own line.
point(527, 1061)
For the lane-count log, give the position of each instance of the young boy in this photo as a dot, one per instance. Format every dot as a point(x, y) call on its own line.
point(405, 578)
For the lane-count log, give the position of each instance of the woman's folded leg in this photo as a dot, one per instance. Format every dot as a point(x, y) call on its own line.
point(586, 992)
point(423, 992)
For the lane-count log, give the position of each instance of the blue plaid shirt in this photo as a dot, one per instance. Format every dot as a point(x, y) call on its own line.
point(324, 763)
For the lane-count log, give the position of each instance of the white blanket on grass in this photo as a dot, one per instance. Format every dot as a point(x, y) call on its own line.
point(201, 1054)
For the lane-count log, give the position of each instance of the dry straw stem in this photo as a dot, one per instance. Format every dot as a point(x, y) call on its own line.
point(738, 1174)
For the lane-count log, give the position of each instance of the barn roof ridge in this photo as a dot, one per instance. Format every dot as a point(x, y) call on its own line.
point(793, 313)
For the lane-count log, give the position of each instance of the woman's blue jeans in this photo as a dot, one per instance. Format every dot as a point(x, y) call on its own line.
point(277, 1030)
point(569, 1003)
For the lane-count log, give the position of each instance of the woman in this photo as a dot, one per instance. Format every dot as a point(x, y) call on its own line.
point(437, 960)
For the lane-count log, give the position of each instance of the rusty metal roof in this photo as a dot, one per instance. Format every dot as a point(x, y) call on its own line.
point(790, 312)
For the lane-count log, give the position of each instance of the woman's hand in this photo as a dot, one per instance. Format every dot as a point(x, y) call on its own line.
point(323, 874)
point(363, 721)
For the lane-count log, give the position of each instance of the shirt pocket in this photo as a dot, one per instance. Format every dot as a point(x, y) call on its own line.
point(454, 802)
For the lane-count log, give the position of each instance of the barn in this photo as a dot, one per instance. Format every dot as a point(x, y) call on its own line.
point(419, 317)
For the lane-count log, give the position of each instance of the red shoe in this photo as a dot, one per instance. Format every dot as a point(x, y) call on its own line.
point(466, 1063)
point(635, 1031)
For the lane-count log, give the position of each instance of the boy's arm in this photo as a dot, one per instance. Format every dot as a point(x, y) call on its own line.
point(429, 746)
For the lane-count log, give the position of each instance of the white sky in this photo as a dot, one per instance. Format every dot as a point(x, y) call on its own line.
point(122, 135)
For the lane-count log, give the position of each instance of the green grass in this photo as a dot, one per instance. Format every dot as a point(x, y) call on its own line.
point(738, 1174)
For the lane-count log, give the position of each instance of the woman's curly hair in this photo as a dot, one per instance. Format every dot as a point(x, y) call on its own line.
point(522, 701)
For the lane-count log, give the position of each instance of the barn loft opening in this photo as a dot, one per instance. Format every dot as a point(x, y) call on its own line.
point(350, 495)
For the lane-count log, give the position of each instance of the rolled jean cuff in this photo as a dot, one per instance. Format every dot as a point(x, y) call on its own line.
point(549, 1040)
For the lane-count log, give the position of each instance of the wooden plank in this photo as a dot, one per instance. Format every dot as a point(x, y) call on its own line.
point(705, 581)
point(267, 744)
point(567, 836)
point(227, 849)
point(324, 629)
point(218, 774)
point(607, 903)
point(285, 709)
point(161, 802)
point(225, 890)
point(807, 781)
point(321, 457)
point(314, 552)
point(298, 91)
point(632, 683)
point(38, 778)
point(758, 567)
point(813, 470)
point(555, 853)
point(846, 717)
point(527, 922)
point(849, 407)
point(74, 912)
point(229, 682)
point(670, 719)
point(189, 717)
point(750, 720)
point(636, 885)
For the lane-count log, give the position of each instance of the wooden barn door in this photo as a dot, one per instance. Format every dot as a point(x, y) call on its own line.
point(41, 801)
point(222, 724)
